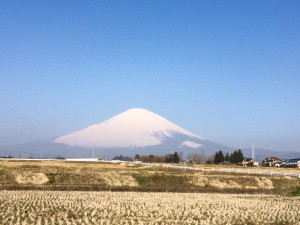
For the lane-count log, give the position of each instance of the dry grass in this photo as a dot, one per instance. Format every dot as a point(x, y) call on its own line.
point(51, 208)
point(277, 169)
point(117, 180)
point(97, 175)
point(31, 178)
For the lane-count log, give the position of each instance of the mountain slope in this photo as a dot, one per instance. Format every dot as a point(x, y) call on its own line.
point(136, 131)
point(133, 128)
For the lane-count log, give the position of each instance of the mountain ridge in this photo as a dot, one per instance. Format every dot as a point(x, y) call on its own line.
point(134, 127)
point(135, 131)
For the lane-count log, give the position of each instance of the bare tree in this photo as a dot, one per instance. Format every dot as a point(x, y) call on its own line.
point(198, 157)
point(180, 154)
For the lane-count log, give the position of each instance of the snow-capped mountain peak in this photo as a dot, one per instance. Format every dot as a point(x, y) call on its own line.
point(133, 128)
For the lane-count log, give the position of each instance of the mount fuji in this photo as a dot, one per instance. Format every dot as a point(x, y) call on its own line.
point(136, 131)
point(135, 128)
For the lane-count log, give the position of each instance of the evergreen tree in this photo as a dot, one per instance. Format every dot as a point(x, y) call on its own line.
point(227, 157)
point(237, 157)
point(169, 158)
point(233, 158)
point(172, 158)
point(240, 156)
point(176, 158)
point(219, 157)
point(216, 158)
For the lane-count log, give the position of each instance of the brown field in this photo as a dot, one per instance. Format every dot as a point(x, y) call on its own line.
point(27, 196)
point(58, 175)
point(100, 165)
point(51, 208)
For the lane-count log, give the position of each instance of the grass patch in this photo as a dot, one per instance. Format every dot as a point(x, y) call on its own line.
point(160, 180)
point(146, 180)
point(2, 172)
point(52, 180)
point(142, 180)
point(6, 177)
point(296, 192)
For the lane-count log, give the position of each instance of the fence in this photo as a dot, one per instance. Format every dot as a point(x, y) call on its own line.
point(167, 166)
point(257, 172)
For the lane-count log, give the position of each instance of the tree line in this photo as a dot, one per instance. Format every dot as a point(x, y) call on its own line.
point(169, 158)
point(235, 157)
point(219, 158)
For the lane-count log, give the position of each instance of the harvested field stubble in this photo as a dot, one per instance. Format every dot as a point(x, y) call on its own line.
point(48, 207)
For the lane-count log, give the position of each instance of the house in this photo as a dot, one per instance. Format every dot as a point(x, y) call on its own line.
point(293, 163)
point(272, 161)
point(250, 162)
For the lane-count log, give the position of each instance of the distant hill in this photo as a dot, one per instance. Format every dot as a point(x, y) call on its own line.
point(131, 132)
point(136, 131)
point(261, 154)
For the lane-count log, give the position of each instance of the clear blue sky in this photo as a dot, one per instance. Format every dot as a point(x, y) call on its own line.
point(226, 70)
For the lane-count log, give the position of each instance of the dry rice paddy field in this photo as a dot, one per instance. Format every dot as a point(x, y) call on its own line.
point(63, 207)
point(58, 193)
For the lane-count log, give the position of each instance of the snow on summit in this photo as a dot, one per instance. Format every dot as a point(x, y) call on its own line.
point(191, 144)
point(133, 128)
